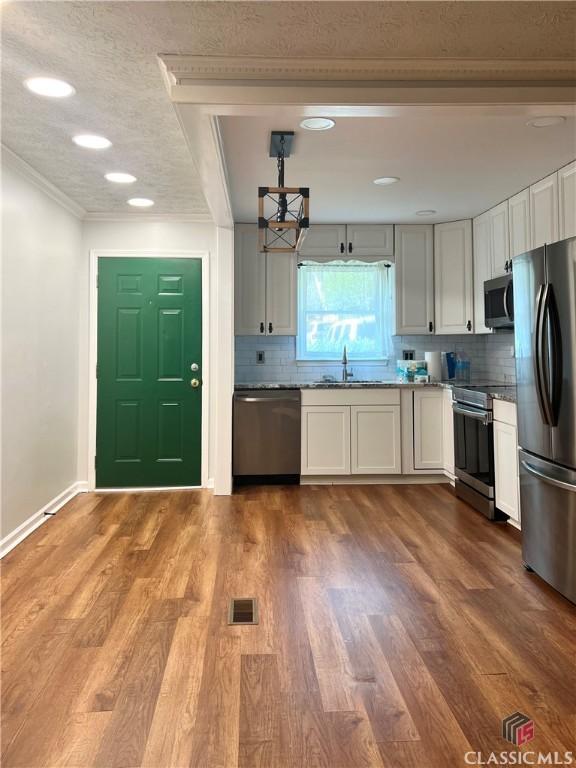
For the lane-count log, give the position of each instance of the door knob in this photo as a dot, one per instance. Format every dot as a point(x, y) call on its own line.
point(194, 383)
point(194, 367)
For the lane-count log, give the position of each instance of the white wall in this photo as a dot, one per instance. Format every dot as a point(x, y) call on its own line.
point(145, 235)
point(41, 268)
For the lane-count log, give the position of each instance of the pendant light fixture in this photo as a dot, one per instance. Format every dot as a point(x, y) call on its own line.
point(283, 212)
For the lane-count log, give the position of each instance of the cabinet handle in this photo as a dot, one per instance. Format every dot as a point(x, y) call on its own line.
point(430, 326)
point(349, 247)
point(270, 328)
point(261, 327)
point(506, 266)
point(469, 325)
point(341, 247)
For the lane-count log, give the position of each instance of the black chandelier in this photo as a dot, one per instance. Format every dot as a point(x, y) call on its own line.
point(283, 212)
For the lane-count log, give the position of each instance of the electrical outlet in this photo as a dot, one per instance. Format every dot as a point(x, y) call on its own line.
point(260, 357)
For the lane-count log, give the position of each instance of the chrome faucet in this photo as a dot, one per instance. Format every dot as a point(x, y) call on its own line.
point(346, 374)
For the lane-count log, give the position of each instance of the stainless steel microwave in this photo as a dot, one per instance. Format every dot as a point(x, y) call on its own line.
point(499, 302)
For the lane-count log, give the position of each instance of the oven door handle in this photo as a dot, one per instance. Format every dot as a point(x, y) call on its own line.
point(484, 416)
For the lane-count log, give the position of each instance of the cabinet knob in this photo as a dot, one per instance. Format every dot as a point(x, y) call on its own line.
point(270, 329)
point(469, 325)
point(341, 247)
point(430, 326)
point(349, 247)
point(261, 327)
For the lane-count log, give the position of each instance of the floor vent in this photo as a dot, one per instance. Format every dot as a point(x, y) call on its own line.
point(243, 610)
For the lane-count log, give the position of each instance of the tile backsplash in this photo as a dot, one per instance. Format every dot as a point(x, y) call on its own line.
point(491, 358)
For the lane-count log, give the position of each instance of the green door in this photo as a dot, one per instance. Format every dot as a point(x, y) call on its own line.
point(149, 413)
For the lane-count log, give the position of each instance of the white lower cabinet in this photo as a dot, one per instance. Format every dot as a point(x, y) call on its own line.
point(506, 471)
point(325, 440)
point(351, 432)
point(375, 440)
point(448, 433)
point(428, 428)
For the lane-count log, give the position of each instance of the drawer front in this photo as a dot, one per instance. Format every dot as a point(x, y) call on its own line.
point(505, 412)
point(350, 397)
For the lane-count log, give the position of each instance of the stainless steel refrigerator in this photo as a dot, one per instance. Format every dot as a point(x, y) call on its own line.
point(544, 284)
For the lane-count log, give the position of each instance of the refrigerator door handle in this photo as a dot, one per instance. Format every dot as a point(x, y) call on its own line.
point(551, 317)
point(537, 353)
point(552, 480)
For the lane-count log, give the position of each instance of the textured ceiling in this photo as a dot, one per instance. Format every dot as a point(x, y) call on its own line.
point(108, 52)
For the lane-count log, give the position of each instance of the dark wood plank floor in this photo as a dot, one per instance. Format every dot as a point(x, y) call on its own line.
point(397, 628)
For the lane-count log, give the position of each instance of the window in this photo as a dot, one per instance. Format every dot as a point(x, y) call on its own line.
point(348, 304)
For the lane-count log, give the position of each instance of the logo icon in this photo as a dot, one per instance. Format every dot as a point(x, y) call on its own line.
point(518, 729)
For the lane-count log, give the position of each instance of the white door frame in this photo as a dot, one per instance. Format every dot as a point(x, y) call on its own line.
point(96, 254)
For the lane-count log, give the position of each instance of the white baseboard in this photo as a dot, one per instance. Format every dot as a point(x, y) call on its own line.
point(372, 479)
point(150, 489)
point(35, 521)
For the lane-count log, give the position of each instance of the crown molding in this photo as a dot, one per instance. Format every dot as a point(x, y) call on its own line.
point(14, 161)
point(182, 70)
point(174, 218)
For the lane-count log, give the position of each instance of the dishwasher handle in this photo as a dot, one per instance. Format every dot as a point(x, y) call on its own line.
point(281, 399)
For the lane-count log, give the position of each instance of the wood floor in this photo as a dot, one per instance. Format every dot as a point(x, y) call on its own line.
point(397, 628)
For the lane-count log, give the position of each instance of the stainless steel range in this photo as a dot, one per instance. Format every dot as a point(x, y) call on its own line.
point(474, 446)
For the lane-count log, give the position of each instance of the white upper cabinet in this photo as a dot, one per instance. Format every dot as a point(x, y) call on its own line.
point(357, 240)
point(265, 287)
point(324, 240)
point(414, 279)
point(499, 243)
point(482, 268)
point(369, 240)
point(281, 279)
point(519, 223)
point(567, 196)
point(544, 211)
point(453, 277)
point(249, 282)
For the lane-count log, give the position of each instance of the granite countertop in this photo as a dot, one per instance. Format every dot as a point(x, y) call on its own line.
point(501, 392)
point(339, 385)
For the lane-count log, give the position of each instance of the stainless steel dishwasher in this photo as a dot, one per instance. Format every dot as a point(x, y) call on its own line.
point(266, 434)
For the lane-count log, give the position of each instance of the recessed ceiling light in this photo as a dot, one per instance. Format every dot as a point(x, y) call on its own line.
point(120, 178)
point(545, 121)
point(90, 141)
point(426, 212)
point(49, 86)
point(317, 123)
point(140, 202)
point(385, 180)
